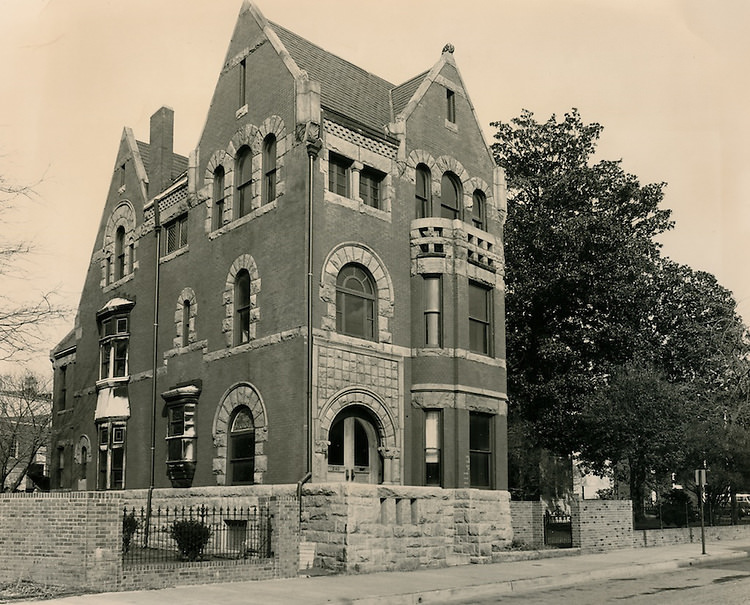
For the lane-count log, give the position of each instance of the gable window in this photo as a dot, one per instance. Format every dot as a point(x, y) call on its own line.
point(111, 460)
point(449, 196)
point(243, 83)
point(480, 319)
point(480, 450)
point(370, 182)
point(244, 179)
point(338, 174)
point(269, 169)
point(432, 311)
point(355, 302)
point(217, 218)
point(478, 210)
point(120, 253)
point(423, 190)
point(432, 447)
point(450, 106)
point(242, 448)
point(176, 234)
point(113, 348)
point(242, 307)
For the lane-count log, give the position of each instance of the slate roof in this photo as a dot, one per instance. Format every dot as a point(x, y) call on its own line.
point(346, 89)
point(179, 162)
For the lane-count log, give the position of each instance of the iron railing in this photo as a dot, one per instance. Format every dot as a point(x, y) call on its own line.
point(196, 533)
point(558, 530)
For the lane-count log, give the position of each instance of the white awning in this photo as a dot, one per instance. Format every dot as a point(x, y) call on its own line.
point(112, 402)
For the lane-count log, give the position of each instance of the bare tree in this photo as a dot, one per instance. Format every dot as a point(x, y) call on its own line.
point(25, 413)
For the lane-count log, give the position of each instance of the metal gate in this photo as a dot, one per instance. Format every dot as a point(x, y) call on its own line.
point(558, 530)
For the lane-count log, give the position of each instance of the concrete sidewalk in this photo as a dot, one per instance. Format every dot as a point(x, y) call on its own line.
point(442, 585)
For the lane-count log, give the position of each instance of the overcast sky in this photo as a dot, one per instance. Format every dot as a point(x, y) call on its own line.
point(668, 80)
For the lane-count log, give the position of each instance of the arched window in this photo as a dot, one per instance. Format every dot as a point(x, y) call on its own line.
point(244, 179)
point(478, 210)
point(355, 302)
point(217, 219)
point(269, 169)
point(185, 323)
point(422, 195)
point(242, 307)
point(84, 463)
point(449, 196)
point(120, 253)
point(242, 447)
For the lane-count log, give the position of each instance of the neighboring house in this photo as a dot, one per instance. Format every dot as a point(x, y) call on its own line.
point(407, 380)
point(24, 434)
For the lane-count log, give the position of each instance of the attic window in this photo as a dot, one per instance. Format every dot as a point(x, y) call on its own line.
point(450, 106)
point(243, 80)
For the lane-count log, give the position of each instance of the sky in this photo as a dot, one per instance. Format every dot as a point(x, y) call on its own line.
point(668, 80)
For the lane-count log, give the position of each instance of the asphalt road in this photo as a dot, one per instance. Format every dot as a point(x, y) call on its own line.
point(727, 583)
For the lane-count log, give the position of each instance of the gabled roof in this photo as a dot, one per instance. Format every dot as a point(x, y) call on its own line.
point(345, 88)
point(402, 94)
point(179, 162)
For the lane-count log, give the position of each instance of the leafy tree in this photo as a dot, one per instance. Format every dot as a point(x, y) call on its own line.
point(579, 244)
point(25, 410)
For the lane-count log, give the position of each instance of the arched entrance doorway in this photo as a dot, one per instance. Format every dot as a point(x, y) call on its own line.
point(353, 450)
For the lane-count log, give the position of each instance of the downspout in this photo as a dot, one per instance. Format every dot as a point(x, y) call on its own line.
point(155, 362)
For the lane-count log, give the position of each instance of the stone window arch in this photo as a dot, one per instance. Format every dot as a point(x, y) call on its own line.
point(454, 169)
point(479, 187)
point(118, 250)
point(239, 397)
point(186, 312)
point(358, 254)
point(243, 264)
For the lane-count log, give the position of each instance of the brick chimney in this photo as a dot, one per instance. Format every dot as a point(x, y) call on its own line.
point(161, 142)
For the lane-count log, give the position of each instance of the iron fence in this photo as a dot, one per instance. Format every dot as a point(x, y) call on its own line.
point(195, 533)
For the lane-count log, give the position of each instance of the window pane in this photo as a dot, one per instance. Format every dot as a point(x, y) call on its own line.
point(176, 421)
point(336, 447)
point(361, 444)
point(243, 472)
point(478, 337)
point(432, 429)
point(118, 467)
point(243, 421)
point(477, 302)
point(479, 464)
point(174, 449)
point(479, 432)
point(121, 353)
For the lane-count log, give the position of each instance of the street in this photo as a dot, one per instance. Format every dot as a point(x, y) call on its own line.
point(726, 582)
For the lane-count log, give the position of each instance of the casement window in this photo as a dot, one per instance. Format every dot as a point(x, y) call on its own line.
point(111, 460)
point(450, 106)
point(433, 304)
point(243, 176)
point(175, 234)
point(242, 447)
point(433, 447)
point(480, 450)
point(370, 186)
point(181, 433)
point(422, 195)
point(269, 169)
point(478, 210)
point(120, 266)
point(450, 194)
point(242, 307)
point(338, 174)
point(217, 218)
point(480, 319)
point(355, 302)
point(113, 347)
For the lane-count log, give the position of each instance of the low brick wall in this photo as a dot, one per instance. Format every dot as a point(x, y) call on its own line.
point(364, 528)
point(528, 523)
point(602, 524)
point(62, 539)
point(74, 539)
point(688, 535)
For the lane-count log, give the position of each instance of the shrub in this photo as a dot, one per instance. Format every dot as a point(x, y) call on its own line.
point(129, 525)
point(191, 536)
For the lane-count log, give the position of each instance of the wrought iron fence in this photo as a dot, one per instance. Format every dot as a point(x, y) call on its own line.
point(558, 530)
point(195, 533)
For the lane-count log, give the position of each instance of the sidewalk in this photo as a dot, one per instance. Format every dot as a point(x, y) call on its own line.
point(442, 585)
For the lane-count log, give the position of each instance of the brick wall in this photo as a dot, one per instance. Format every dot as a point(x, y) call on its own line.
point(602, 524)
point(62, 539)
point(528, 523)
point(688, 535)
point(365, 528)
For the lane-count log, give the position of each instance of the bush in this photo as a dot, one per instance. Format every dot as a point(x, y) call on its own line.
point(677, 508)
point(129, 525)
point(191, 536)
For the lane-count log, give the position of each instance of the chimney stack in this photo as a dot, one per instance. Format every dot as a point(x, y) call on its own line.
point(161, 142)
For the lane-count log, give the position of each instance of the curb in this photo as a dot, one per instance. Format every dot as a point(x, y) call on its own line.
point(505, 587)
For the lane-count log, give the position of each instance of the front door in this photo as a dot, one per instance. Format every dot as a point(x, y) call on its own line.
point(353, 450)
